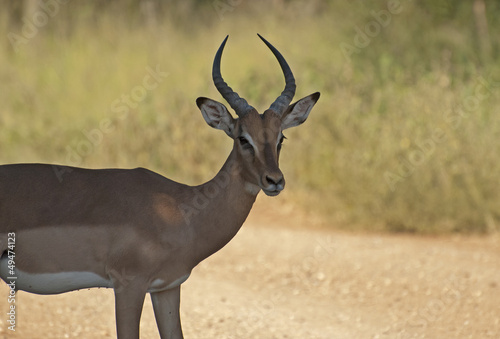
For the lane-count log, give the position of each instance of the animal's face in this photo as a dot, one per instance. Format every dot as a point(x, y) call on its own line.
point(258, 138)
point(257, 141)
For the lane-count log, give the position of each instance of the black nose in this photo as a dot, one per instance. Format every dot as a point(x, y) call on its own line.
point(274, 180)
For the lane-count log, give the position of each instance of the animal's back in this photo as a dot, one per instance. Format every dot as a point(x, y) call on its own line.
point(78, 197)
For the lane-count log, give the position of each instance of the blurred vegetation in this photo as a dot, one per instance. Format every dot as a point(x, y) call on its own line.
point(404, 137)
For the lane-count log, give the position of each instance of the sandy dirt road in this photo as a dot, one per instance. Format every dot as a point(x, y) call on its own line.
point(275, 281)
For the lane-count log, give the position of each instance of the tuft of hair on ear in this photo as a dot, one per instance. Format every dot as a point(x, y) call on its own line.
point(200, 101)
point(315, 96)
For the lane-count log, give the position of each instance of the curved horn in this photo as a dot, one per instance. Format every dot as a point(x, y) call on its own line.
point(240, 105)
point(281, 103)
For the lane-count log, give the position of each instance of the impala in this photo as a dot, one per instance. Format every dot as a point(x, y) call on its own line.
point(134, 230)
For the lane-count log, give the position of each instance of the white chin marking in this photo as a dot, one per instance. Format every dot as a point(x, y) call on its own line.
point(272, 193)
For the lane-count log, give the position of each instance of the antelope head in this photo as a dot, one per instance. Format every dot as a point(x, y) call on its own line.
point(257, 137)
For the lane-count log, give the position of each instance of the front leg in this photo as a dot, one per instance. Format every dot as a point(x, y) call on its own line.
point(166, 306)
point(129, 300)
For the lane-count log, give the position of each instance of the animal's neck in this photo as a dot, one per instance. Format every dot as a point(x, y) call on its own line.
point(224, 203)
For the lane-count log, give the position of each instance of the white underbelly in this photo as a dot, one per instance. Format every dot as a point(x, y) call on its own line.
point(54, 283)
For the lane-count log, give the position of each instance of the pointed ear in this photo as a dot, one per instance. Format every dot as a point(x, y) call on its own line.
point(298, 112)
point(216, 115)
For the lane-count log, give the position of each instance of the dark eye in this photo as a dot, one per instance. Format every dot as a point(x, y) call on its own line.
point(243, 141)
point(281, 142)
point(245, 144)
